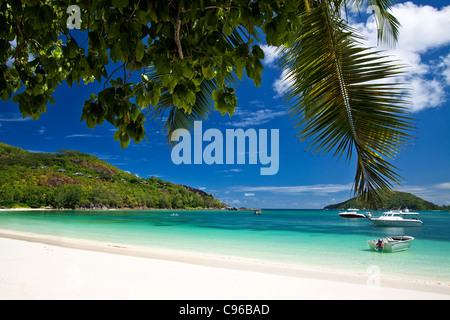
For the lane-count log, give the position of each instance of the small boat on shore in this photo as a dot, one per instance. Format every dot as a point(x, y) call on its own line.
point(390, 244)
point(352, 213)
point(398, 218)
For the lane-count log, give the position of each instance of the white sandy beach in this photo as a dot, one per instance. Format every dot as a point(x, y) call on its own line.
point(45, 267)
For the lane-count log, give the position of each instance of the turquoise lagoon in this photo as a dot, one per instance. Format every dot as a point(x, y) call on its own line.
point(306, 237)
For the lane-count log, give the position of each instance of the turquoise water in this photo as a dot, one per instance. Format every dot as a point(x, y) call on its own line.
point(306, 237)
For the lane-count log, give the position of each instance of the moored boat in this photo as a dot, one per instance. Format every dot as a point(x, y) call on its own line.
point(352, 213)
point(398, 218)
point(390, 244)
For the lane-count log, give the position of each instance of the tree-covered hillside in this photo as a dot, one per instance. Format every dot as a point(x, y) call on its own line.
point(71, 179)
point(393, 200)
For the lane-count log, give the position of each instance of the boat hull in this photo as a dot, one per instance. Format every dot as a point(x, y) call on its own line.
point(352, 215)
point(390, 244)
point(396, 223)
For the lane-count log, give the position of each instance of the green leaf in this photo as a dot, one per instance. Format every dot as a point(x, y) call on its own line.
point(155, 95)
point(114, 30)
point(139, 50)
point(190, 98)
point(258, 52)
point(120, 3)
point(217, 94)
point(142, 99)
point(154, 16)
point(124, 141)
point(90, 122)
point(208, 72)
point(72, 48)
point(117, 135)
point(5, 94)
point(227, 29)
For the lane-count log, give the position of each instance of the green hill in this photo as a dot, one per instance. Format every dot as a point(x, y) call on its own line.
point(393, 200)
point(71, 179)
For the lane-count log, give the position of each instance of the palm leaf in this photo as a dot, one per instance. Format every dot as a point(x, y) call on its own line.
point(388, 25)
point(339, 104)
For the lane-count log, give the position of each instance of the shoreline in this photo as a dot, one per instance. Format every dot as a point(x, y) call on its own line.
point(212, 276)
point(112, 209)
point(5, 210)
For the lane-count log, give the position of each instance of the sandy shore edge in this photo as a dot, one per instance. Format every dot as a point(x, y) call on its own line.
point(34, 266)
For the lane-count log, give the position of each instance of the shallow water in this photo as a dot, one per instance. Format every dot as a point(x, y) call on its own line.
point(307, 237)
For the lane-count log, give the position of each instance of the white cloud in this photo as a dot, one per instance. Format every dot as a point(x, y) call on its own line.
point(14, 119)
point(445, 185)
point(316, 189)
point(83, 136)
point(445, 66)
point(249, 118)
point(426, 93)
point(423, 29)
point(249, 194)
point(232, 170)
point(437, 193)
point(282, 83)
point(271, 54)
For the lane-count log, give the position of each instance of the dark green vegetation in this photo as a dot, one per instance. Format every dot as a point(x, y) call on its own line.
point(180, 60)
point(70, 179)
point(393, 200)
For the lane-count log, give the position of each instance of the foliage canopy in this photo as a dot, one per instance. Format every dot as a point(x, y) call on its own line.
point(182, 59)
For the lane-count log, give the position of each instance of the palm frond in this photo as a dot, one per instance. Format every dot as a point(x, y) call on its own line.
point(388, 25)
point(339, 103)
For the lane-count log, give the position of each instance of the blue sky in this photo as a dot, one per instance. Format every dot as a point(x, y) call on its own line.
point(304, 180)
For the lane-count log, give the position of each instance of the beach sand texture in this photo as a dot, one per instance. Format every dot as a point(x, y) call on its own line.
point(45, 267)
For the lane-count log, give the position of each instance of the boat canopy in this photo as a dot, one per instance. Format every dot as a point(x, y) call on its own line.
point(401, 212)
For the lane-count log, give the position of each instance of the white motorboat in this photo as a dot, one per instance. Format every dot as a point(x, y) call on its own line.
point(390, 244)
point(352, 213)
point(398, 218)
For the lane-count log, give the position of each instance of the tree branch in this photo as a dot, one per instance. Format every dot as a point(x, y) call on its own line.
point(177, 32)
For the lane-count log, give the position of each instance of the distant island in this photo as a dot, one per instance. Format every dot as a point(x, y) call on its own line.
point(73, 180)
point(393, 200)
